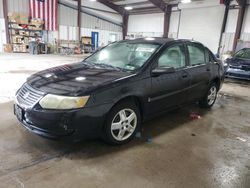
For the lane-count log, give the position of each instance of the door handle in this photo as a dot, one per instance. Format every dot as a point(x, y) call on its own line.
point(184, 75)
point(208, 69)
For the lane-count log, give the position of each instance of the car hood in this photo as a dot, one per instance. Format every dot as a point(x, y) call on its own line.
point(74, 79)
point(239, 62)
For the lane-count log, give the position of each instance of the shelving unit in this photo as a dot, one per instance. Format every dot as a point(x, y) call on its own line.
point(22, 33)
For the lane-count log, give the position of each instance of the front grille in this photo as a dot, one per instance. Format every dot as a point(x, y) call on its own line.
point(27, 96)
point(241, 67)
point(245, 67)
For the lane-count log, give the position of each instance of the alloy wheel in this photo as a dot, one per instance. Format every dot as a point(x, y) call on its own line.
point(123, 124)
point(212, 95)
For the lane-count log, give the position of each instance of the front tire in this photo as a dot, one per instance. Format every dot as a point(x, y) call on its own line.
point(210, 97)
point(122, 123)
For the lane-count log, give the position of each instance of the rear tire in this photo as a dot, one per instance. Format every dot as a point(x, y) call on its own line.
point(122, 123)
point(209, 99)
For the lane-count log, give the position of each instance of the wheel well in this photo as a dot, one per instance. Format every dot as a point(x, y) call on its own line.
point(134, 99)
point(217, 82)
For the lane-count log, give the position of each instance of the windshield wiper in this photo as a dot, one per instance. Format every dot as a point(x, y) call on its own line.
point(103, 65)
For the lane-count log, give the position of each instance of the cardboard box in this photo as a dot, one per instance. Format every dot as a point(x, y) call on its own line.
point(86, 40)
point(23, 18)
point(13, 17)
point(16, 48)
point(36, 21)
point(23, 48)
point(7, 48)
point(36, 27)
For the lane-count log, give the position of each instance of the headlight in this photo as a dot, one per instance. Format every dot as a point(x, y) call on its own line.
point(62, 102)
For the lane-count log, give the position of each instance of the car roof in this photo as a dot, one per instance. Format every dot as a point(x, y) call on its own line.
point(159, 40)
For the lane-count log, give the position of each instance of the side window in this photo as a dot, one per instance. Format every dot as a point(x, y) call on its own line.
point(196, 54)
point(207, 56)
point(173, 57)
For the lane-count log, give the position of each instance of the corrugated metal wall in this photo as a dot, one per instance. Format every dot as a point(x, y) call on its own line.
point(68, 26)
point(1, 8)
point(96, 23)
point(227, 42)
point(21, 6)
point(2, 27)
point(67, 16)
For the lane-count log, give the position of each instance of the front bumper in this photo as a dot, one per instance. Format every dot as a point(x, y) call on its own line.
point(237, 73)
point(71, 125)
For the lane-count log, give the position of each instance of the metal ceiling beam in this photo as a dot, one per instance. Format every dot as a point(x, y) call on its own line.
point(137, 4)
point(63, 3)
point(122, 12)
point(146, 10)
point(241, 2)
point(167, 9)
point(160, 4)
point(223, 28)
point(242, 8)
point(125, 18)
point(113, 6)
point(167, 15)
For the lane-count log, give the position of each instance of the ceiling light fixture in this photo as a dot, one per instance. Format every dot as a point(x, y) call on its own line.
point(128, 8)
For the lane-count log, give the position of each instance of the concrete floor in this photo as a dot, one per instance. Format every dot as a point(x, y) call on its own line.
point(174, 150)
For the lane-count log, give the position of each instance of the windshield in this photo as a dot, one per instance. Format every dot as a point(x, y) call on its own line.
point(124, 55)
point(243, 54)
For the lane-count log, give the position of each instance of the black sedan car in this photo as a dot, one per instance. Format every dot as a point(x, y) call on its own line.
point(239, 65)
point(111, 92)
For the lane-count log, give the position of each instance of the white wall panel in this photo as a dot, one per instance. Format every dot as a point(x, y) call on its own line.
point(67, 16)
point(199, 4)
point(63, 32)
point(96, 23)
point(20, 6)
point(1, 8)
point(232, 21)
point(246, 23)
point(202, 24)
point(174, 24)
point(113, 16)
point(227, 42)
point(94, 4)
point(147, 23)
point(2, 34)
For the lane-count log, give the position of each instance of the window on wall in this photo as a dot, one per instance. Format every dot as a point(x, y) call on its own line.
point(172, 57)
point(196, 54)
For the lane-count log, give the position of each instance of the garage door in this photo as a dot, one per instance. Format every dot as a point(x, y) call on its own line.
point(202, 24)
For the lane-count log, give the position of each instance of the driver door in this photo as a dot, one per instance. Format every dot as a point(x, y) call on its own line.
point(171, 89)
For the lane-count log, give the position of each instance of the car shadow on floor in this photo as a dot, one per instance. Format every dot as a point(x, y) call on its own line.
point(150, 130)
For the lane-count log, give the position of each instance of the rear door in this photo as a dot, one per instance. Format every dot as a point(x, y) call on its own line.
point(199, 70)
point(169, 90)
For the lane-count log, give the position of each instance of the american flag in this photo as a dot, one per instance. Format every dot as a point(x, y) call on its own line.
point(46, 10)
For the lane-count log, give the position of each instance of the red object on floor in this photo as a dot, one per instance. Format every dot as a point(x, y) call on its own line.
point(194, 115)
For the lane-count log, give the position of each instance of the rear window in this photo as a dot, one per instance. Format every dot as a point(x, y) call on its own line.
point(196, 54)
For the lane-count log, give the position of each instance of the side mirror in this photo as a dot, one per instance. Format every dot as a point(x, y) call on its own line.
point(162, 70)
